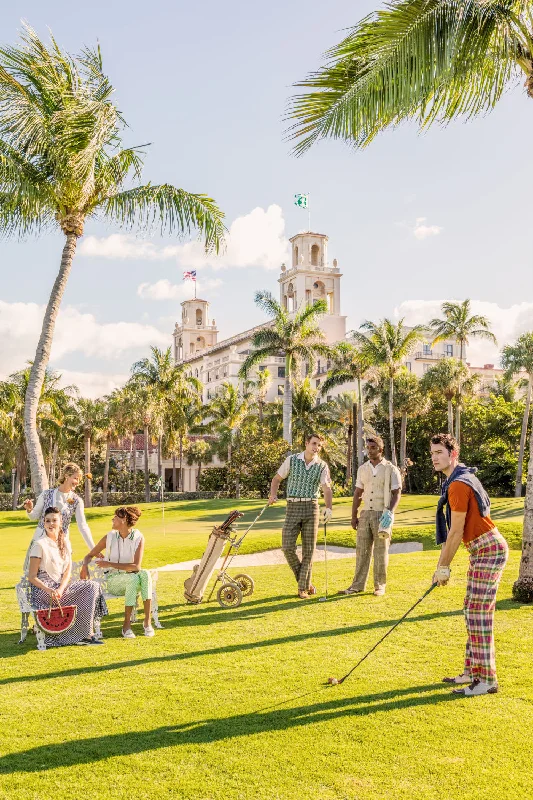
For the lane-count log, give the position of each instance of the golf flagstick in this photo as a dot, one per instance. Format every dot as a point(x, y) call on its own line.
point(323, 599)
point(334, 681)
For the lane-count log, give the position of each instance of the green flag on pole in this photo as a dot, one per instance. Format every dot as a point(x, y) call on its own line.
point(301, 200)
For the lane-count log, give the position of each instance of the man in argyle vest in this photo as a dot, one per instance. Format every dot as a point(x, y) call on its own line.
point(306, 474)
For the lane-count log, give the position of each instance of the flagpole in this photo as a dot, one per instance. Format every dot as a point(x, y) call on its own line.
point(309, 211)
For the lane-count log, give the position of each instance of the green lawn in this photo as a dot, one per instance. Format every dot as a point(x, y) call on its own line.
point(232, 704)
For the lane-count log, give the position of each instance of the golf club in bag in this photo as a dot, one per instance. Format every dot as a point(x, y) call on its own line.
point(325, 597)
point(336, 682)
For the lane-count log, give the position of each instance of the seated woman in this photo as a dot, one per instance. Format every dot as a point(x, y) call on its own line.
point(69, 504)
point(49, 574)
point(124, 549)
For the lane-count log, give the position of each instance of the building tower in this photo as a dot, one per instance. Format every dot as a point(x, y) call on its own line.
point(310, 278)
point(197, 331)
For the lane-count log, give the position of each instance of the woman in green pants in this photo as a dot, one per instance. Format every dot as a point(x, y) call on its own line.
point(124, 549)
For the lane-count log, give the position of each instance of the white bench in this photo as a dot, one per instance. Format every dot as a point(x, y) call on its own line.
point(96, 573)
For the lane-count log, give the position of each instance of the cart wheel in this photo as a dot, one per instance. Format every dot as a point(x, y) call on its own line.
point(229, 596)
point(246, 584)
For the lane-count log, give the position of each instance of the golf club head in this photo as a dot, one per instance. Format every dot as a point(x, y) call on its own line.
point(322, 599)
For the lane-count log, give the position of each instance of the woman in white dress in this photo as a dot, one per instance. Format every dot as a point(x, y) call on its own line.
point(124, 550)
point(49, 574)
point(67, 501)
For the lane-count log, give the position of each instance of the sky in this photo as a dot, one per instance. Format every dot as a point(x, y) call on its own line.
point(413, 220)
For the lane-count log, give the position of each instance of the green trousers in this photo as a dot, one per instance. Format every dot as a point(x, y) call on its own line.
point(130, 584)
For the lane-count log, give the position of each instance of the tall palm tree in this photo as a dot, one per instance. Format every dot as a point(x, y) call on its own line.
point(349, 364)
point(424, 60)
point(91, 424)
point(309, 414)
point(165, 383)
point(517, 358)
point(445, 379)
point(259, 387)
point(199, 452)
point(226, 413)
point(62, 162)
point(185, 415)
point(344, 408)
point(387, 345)
point(297, 337)
point(113, 426)
point(459, 324)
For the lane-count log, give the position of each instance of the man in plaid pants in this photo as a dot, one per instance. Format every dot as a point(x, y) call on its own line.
point(306, 474)
point(468, 519)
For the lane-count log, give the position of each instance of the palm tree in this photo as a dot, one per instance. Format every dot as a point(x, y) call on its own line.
point(517, 358)
point(387, 345)
point(62, 162)
point(91, 423)
point(259, 386)
point(458, 324)
point(349, 364)
point(445, 379)
point(113, 425)
point(309, 414)
point(226, 413)
point(184, 416)
point(344, 408)
point(199, 452)
point(424, 60)
point(165, 384)
point(298, 337)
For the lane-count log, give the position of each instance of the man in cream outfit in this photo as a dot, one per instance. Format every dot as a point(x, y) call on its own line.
point(378, 487)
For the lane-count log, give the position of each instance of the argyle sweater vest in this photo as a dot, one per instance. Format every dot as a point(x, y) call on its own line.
point(304, 482)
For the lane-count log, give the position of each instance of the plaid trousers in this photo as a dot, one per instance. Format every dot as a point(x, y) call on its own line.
point(367, 542)
point(130, 584)
point(488, 556)
point(301, 517)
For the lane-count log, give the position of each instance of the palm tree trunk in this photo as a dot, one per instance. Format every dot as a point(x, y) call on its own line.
point(159, 456)
point(403, 446)
point(19, 465)
point(198, 475)
point(349, 455)
point(174, 473)
point(88, 482)
point(459, 400)
point(181, 464)
point(450, 417)
point(50, 455)
point(105, 483)
point(523, 587)
point(52, 477)
point(38, 369)
point(391, 420)
point(132, 460)
point(287, 403)
point(146, 473)
point(360, 425)
point(523, 435)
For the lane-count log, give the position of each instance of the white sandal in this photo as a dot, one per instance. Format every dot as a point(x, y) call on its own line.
point(128, 634)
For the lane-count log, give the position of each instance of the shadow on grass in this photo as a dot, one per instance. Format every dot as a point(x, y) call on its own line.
point(207, 731)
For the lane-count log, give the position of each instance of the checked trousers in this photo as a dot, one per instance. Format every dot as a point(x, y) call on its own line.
point(488, 556)
point(301, 518)
point(368, 542)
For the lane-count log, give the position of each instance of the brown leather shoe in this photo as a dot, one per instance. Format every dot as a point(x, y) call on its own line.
point(303, 595)
point(311, 590)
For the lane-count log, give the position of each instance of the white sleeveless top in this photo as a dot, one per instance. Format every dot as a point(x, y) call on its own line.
point(122, 551)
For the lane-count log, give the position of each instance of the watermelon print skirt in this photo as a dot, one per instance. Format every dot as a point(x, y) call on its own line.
point(89, 600)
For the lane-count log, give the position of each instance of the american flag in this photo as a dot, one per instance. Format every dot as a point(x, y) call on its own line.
point(190, 275)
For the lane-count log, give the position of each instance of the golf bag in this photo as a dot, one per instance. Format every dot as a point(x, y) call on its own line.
point(195, 586)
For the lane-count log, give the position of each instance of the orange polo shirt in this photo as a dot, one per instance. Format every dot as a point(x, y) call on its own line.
point(461, 498)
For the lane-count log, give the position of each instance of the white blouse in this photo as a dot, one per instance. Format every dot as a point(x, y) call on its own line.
point(60, 501)
point(52, 562)
point(122, 551)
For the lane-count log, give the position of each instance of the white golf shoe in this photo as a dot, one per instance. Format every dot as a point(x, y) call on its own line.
point(477, 687)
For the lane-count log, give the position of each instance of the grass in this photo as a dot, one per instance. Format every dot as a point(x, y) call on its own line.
point(233, 703)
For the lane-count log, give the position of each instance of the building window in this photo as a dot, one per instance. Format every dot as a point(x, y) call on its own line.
point(314, 255)
point(280, 390)
point(262, 367)
point(425, 367)
point(318, 383)
point(427, 350)
point(199, 319)
point(408, 365)
point(329, 398)
point(281, 372)
point(225, 372)
point(449, 350)
point(318, 366)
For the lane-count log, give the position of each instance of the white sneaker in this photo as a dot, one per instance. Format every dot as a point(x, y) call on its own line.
point(128, 634)
point(477, 687)
point(148, 630)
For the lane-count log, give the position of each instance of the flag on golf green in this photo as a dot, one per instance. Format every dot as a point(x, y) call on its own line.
point(301, 200)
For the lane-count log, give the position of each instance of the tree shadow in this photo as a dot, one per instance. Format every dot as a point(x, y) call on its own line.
point(208, 731)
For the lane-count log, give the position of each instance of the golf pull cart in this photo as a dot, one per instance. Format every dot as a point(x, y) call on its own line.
point(232, 590)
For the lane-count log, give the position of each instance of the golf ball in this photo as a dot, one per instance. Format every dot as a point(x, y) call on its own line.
point(333, 681)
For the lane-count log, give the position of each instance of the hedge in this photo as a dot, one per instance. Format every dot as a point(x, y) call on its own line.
point(118, 498)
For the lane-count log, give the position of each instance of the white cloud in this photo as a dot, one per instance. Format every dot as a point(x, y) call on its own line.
point(506, 324)
point(76, 332)
point(256, 239)
point(422, 231)
point(163, 289)
point(93, 384)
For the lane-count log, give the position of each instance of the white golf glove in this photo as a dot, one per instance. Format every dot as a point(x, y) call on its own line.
point(327, 515)
point(442, 575)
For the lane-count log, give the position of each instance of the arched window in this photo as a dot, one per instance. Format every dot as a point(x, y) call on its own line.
point(295, 257)
point(199, 317)
point(315, 252)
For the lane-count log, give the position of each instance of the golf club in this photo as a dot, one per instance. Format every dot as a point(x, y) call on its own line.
point(335, 682)
point(323, 599)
